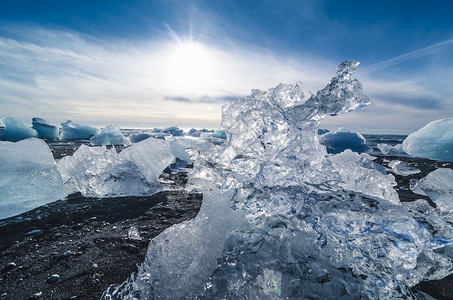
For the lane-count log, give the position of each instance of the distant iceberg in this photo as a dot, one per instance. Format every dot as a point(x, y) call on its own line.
point(174, 131)
point(110, 135)
point(342, 139)
point(74, 131)
point(28, 177)
point(434, 141)
point(44, 129)
point(194, 132)
point(219, 134)
point(15, 130)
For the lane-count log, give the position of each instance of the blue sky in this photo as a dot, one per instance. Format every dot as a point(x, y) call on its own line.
point(158, 63)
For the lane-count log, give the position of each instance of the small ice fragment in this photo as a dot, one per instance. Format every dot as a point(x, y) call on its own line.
point(403, 168)
point(53, 278)
point(8, 267)
point(34, 232)
point(133, 234)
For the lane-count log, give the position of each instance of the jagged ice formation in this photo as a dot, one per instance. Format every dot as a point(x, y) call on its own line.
point(283, 219)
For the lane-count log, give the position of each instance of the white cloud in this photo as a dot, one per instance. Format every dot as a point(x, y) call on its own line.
point(62, 75)
point(77, 77)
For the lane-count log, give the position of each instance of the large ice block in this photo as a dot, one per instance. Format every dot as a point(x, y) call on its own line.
point(15, 130)
point(74, 131)
point(110, 135)
point(434, 140)
point(44, 129)
point(28, 177)
point(102, 172)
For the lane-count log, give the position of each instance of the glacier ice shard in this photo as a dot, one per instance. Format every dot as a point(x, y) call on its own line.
point(438, 185)
point(102, 172)
point(15, 130)
point(74, 131)
point(434, 140)
point(44, 129)
point(402, 168)
point(390, 150)
point(28, 177)
point(283, 219)
point(342, 139)
point(110, 135)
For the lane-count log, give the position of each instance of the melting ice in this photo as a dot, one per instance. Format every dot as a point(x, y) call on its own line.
point(434, 140)
point(283, 219)
point(28, 179)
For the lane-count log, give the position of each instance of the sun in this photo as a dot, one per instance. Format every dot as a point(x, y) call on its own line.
point(190, 65)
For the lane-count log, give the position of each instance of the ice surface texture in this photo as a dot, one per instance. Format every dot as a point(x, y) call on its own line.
point(15, 130)
point(438, 185)
point(390, 150)
point(282, 219)
point(74, 131)
point(434, 141)
point(44, 129)
point(110, 135)
point(101, 172)
point(343, 139)
point(28, 177)
point(402, 168)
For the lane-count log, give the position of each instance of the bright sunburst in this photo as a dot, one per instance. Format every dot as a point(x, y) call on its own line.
point(190, 65)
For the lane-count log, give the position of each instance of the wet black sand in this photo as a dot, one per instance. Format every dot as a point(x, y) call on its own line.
point(85, 240)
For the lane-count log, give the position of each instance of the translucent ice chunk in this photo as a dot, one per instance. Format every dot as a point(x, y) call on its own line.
point(389, 150)
point(438, 185)
point(402, 168)
point(28, 177)
point(15, 130)
point(74, 131)
point(151, 156)
point(44, 129)
point(435, 141)
point(101, 172)
point(110, 135)
point(133, 234)
point(343, 139)
point(282, 219)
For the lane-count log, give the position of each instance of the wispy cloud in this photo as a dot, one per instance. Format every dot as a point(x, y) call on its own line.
point(69, 73)
point(62, 75)
point(407, 56)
